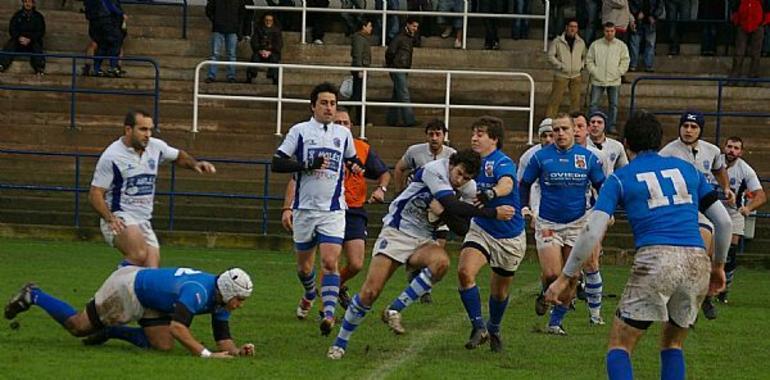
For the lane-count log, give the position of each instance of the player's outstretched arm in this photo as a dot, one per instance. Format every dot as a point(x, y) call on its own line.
point(723, 227)
point(182, 333)
point(189, 162)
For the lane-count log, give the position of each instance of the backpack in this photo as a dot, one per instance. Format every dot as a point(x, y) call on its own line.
point(749, 15)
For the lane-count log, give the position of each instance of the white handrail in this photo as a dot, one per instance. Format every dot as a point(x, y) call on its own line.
point(279, 99)
point(385, 12)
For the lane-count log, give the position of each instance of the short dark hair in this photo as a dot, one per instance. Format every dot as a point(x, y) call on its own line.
point(362, 22)
point(735, 139)
point(435, 125)
point(323, 87)
point(643, 132)
point(470, 160)
point(493, 126)
point(132, 115)
point(571, 19)
point(412, 19)
point(608, 24)
point(342, 109)
point(577, 114)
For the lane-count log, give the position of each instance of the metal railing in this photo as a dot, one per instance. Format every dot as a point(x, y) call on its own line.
point(385, 12)
point(73, 88)
point(447, 105)
point(720, 82)
point(172, 193)
point(183, 5)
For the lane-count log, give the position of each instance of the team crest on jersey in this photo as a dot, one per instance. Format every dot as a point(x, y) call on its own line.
point(151, 163)
point(489, 168)
point(311, 142)
point(383, 244)
point(706, 165)
point(732, 181)
point(337, 142)
point(580, 161)
point(613, 156)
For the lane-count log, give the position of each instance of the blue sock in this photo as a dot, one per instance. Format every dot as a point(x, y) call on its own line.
point(672, 364)
point(472, 302)
point(308, 282)
point(330, 291)
point(125, 263)
point(353, 317)
point(419, 286)
point(619, 365)
point(496, 311)
point(557, 315)
point(59, 310)
point(133, 335)
point(410, 276)
point(594, 288)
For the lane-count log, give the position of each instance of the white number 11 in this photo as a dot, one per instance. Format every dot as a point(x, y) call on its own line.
point(657, 198)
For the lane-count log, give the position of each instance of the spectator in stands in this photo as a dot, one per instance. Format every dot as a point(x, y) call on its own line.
point(749, 17)
point(27, 27)
point(588, 13)
point(352, 20)
point(318, 21)
point(619, 14)
point(607, 61)
point(491, 40)
point(520, 26)
point(556, 18)
point(454, 23)
point(426, 24)
point(399, 56)
point(567, 55)
point(361, 56)
point(642, 39)
point(92, 46)
point(285, 19)
point(266, 46)
point(226, 17)
point(105, 26)
point(392, 21)
point(712, 13)
point(676, 12)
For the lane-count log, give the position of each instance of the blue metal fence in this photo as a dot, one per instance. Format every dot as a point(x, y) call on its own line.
point(73, 88)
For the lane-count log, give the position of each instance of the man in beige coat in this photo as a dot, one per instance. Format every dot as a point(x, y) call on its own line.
point(607, 61)
point(567, 55)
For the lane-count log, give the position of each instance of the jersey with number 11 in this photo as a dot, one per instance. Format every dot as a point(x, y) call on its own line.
point(661, 196)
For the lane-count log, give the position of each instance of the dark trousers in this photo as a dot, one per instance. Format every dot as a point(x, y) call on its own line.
point(318, 21)
point(107, 34)
point(272, 72)
point(37, 62)
point(750, 43)
point(490, 24)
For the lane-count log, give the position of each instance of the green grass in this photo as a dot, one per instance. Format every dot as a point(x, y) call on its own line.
point(733, 346)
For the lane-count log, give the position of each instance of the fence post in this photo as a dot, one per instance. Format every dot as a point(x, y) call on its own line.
point(77, 191)
point(184, 19)
point(363, 103)
point(73, 84)
point(465, 24)
point(545, 26)
point(447, 102)
point(279, 109)
point(265, 190)
point(171, 199)
point(156, 98)
point(719, 110)
point(302, 32)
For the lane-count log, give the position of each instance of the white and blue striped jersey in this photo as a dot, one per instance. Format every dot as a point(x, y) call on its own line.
point(705, 156)
point(408, 213)
point(322, 190)
point(743, 180)
point(130, 178)
point(614, 152)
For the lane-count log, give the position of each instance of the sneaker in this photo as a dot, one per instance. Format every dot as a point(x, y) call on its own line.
point(86, 70)
point(722, 297)
point(596, 321)
point(495, 342)
point(114, 72)
point(344, 297)
point(426, 298)
point(393, 319)
point(96, 339)
point(477, 338)
point(20, 302)
point(709, 310)
point(2, 68)
point(458, 44)
point(318, 42)
point(632, 69)
point(210, 80)
point(649, 69)
point(496, 45)
point(230, 80)
point(326, 326)
point(335, 353)
point(555, 330)
point(447, 32)
point(40, 73)
point(541, 307)
point(303, 308)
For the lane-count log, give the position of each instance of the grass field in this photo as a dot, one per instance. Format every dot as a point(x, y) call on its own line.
point(733, 346)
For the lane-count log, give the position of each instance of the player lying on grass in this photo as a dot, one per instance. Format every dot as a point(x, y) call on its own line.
point(163, 301)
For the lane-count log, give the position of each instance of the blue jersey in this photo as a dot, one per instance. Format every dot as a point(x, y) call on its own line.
point(493, 168)
point(160, 289)
point(661, 196)
point(564, 176)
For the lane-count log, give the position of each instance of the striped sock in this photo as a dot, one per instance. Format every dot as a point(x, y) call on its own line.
point(472, 302)
point(419, 286)
point(353, 317)
point(57, 309)
point(672, 364)
point(496, 311)
point(731, 265)
point(412, 275)
point(557, 315)
point(619, 365)
point(308, 282)
point(330, 290)
point(594, 288)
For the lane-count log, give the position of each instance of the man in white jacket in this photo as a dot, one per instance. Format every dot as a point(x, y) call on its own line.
point(607, 61)
point(567, 55)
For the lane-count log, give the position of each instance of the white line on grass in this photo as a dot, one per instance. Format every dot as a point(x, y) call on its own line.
point(418, 342)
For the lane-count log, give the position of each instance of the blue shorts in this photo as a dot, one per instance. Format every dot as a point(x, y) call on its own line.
point(356, 220)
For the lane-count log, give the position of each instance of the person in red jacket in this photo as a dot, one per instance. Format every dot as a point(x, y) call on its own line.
point(749, 18)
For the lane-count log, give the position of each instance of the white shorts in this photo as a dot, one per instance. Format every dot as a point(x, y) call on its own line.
point(312, 227)
point(667, 283)
point(505, 254)
point(398, 245)
point(739, 221)
point(548, 233)
point(705, 222)
point(116, 301)
point(144, 226)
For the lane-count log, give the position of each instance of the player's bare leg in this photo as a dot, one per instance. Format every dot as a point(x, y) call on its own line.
point(130, 242)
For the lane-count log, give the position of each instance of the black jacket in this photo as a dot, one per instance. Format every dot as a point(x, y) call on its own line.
point(96, 9)
point(27, 24)
point(226, 15)
point(269, 39)
point(399, 52)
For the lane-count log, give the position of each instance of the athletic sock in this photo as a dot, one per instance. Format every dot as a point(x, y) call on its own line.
point(472, 302)
point(330, 291)
point(308, 282)
point(731, 265)
point(557, 315)
point(410, 276)
point(58, 310)
point(133, 335)
point(496, 311)
point(353, 317)
point(672, 364)
point(594, 293)
point(420, 285)
point(619, 365)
